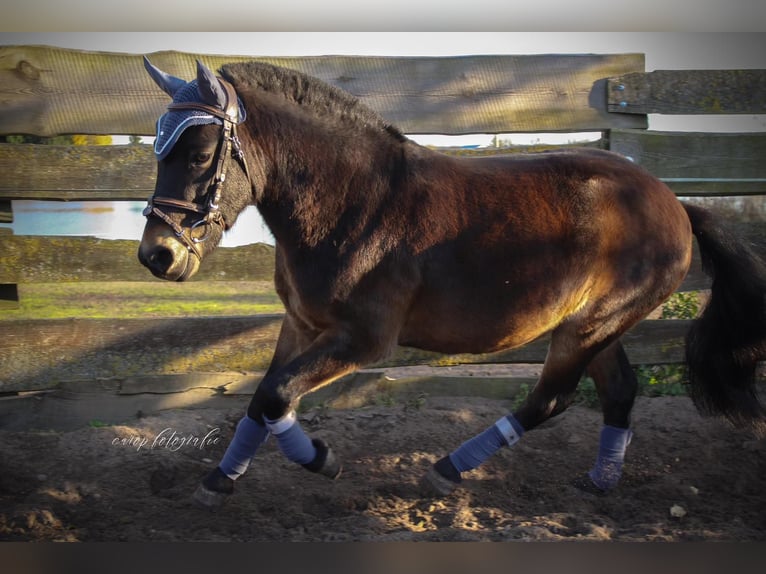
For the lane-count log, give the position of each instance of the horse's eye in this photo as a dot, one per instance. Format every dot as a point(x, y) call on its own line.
point(200, 158)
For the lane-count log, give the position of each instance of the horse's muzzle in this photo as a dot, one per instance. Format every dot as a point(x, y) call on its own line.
point(168, 258)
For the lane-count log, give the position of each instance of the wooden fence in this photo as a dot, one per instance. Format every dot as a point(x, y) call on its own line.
point(116, 368)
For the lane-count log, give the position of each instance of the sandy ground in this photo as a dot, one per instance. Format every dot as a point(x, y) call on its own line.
point(685, 478)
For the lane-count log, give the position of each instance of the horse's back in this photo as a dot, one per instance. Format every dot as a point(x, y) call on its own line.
point(518, 243)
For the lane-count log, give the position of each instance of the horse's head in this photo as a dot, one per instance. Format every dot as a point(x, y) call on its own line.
point(199, 191)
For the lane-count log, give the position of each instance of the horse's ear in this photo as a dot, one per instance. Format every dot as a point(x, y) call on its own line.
point(169, 84)
point(210, 89)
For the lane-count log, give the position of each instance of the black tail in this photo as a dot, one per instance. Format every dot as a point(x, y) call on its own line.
point(724, 345)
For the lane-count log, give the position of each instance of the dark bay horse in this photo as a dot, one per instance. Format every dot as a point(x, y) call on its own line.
point(381, 242)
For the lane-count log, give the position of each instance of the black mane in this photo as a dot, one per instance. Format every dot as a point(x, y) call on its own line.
point(322, 98)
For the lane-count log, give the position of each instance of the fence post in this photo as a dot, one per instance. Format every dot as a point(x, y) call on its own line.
point(9, 293)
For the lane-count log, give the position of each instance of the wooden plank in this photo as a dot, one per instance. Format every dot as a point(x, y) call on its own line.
point(48, 91)
point(78, 404)
point(43, 259)
point(693, 163)
point(77, 173)
point(37, 355)
point(40, 354)
point(82, 173)
point(66, 410)
point(689, 92)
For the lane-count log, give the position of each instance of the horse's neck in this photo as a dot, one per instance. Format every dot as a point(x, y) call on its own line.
point(314, 180)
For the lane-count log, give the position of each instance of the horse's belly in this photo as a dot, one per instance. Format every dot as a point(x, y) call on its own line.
point(481, 331)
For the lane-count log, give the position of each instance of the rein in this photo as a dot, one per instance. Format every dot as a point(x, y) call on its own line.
point(210, 210)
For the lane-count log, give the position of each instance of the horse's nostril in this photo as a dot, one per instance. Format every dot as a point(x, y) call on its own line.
point(161, 258)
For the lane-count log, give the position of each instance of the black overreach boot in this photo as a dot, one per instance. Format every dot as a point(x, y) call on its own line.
point(324, 462)
point(214, 490)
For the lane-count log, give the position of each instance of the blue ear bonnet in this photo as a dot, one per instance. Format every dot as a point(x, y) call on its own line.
point(171, 125)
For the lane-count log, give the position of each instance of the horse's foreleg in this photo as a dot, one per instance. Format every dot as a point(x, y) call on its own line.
point(251, 433)
point(253, 430)
point(616, 385)
point(331, 355)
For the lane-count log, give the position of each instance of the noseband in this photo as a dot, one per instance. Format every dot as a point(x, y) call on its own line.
point(209, 209)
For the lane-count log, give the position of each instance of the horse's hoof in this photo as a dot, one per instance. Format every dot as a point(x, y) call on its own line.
point(214, 490)
point(436, 484)
point(209, 499)
point(586, 484)
point(325, 462)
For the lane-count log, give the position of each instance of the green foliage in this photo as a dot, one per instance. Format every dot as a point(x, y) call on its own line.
point(681, 306)
point(661, 380)
point(416, 403)
point(384, 399)
point(96, 424)
point(669, 380)
point(587, 394)
point(75, 139)
point(520, 396)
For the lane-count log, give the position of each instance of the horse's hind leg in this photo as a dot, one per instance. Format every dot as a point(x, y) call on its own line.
point(616, 385)
point(553, 393)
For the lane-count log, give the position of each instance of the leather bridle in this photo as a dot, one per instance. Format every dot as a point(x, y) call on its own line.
point(210, 208)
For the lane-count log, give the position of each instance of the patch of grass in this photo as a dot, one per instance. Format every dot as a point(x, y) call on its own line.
point(125, 299)
point(384, 399)
point(416, 403)
point(97, 424)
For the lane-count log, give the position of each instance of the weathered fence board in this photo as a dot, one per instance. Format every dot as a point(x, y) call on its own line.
point(48, 91)
point(39, 354)
point(77, 173)
point(79, 403)
point(698, 163)
point(126, 172)
point(690, 163)
point(42, 259)
point(689, 92)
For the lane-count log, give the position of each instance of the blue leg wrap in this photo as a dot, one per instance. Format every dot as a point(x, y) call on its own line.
point(293, 442)
point(505, 432)
point(611, 454)
point(247, 438)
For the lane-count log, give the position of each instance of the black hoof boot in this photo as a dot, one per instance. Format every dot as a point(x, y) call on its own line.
point(324, 462)
point(586, 484)
point(214, 490)
point(441, 479)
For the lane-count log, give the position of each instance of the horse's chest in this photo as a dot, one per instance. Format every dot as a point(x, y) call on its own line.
point(307, 298)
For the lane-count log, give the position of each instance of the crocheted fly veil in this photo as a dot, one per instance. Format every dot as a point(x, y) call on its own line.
point(172, 124)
